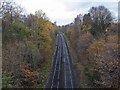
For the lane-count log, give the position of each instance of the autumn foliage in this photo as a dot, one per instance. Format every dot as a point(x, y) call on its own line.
point(94, 49)
point(28, 42)
point(103, 63)
point(30, 77)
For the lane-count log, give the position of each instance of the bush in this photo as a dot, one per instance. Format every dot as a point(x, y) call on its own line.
point(7, 80)
point(30, 77)
point(112, 38)
point(33, 55)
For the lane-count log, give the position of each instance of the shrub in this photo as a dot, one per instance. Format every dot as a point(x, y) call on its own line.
point(7, 80)
point(30, 77)
point(112, 38)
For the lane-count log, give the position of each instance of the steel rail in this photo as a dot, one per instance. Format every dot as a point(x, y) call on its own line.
point(67, 66)
point(56, 73)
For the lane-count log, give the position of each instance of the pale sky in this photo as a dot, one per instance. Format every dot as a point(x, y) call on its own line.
point(64, 11)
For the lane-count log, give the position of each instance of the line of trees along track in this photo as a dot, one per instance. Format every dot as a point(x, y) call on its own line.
point(61, 73)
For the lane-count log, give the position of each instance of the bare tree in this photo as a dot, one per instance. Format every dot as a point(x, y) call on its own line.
point(101, 18)
point(78, 22)
point(87, 19)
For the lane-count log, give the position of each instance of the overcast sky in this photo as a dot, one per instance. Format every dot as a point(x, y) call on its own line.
point(64, 11)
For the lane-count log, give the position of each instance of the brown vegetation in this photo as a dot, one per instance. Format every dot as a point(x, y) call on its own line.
point(27, 47)
point(94, 49)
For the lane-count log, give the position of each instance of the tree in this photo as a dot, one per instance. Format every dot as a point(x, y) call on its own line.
point(11, 21)
point(87, 19)
point(78, 22)
point(28, 43)
point(86, 26)
point(101, 18)
point(41, 14)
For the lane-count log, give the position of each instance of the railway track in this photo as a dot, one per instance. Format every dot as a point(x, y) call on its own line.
point(57, 68)
point(67, 66)
point(61, 74)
